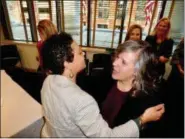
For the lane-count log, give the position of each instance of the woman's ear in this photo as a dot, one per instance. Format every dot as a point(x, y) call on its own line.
point(66, 64)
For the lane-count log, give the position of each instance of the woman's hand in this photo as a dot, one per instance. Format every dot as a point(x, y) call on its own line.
point(152, 114)
point(163, 59)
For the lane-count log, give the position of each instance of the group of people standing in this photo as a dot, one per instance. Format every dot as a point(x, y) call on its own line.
point(131, 108)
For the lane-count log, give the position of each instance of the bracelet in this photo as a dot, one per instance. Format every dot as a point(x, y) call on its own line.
point(141, 122)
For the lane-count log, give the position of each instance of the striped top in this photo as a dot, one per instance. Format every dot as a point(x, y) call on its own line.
point(71, 112)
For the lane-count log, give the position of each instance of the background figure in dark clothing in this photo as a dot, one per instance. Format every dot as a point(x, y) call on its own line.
point(161, 43)
point(175, 94)
point(132, 93)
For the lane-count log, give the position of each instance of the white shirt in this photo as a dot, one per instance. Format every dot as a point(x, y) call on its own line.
point(71, 112)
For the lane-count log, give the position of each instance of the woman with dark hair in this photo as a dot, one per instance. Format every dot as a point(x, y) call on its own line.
point(68, 110)
point(134, 33)
point(135, 78)
point(161, 43)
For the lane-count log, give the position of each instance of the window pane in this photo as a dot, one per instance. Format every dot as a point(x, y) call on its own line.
point(177, 21)
point(16, 21)
point(167, 8)
point(42, 11)
point(121, 4)
point(72, 19)
point(156, 18)
point(104, 23)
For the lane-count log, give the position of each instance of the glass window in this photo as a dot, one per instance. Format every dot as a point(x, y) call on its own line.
point(103, 3)
point(102, 26)
point(43, 10)
point(103, 13)
point(72, 19)
point(16, 21)
point(136, 12)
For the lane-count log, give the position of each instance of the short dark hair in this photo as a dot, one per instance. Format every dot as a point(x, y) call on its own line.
point(145, 64)
point(55, 51)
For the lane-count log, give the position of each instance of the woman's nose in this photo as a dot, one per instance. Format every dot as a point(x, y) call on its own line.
point(83, 53)
point(115, 62)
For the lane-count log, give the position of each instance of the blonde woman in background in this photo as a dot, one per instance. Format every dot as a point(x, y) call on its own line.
point(46, 29)
point(161, 43)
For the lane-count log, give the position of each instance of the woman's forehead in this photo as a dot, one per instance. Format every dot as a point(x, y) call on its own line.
point(128, 56)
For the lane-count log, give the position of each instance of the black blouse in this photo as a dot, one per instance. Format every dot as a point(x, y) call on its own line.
point(162, 49)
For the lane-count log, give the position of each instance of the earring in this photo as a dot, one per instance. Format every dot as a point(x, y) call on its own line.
point(71, 75)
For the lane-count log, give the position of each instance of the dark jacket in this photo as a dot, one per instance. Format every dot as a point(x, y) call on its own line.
point(162, 49)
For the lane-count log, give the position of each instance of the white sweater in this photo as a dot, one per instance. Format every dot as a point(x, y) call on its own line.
point(71, 112)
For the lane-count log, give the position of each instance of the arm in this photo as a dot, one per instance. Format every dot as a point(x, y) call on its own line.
point(180, 69)
point(163, 59)
point(167, 52)
point(90, 121)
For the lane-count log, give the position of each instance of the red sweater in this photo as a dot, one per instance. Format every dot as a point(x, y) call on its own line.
point(113, 104)
point(39, 47)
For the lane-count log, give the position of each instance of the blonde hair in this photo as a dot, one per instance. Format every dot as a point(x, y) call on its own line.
point(131, 28)
point(167, 35)
point(46, 28)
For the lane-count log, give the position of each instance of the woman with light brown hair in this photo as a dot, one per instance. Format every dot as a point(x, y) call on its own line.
point(134, 33)
point(161, 43)
point(46, 29)
point(133, 90)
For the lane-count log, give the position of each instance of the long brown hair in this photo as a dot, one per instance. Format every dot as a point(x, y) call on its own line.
point(46, 28)
point(131, 28)
point(144, 77)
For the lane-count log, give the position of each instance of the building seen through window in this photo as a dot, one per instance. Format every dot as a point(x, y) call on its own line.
point(107, 24)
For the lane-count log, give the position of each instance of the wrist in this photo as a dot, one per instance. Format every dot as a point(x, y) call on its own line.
point(142, 120)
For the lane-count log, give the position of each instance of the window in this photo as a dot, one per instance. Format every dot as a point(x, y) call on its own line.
point(117, 26)
point(16, 20)
point(103, 13)
point(43, 10)
point(119, 14)
point(103, 3)
point(120, 4)
point(102, 26)
point(103, 9)
point(140, 9)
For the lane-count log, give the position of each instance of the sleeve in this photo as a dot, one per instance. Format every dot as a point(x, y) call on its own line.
point(175, 57)
point(90, 121)
point(169, 47)
point(148, 39)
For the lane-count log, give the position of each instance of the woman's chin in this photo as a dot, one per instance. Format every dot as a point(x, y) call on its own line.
point(114, 76)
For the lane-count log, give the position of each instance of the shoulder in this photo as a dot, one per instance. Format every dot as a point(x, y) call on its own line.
point(39, 44)
point(169, 40)
point(150, 37)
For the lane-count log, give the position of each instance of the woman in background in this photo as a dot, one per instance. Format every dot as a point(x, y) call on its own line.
point(175, 94)
point(161, 43)
point(68, 110)
point(46, 29)
point(134, 33)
